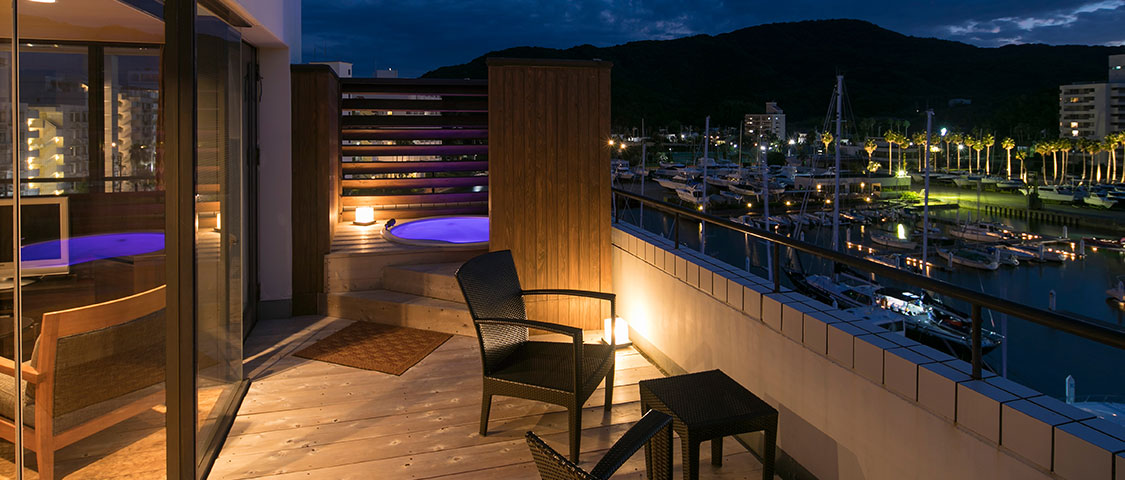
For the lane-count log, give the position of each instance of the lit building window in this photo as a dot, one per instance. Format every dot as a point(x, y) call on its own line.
point(1073, 124)
point(1074, 132)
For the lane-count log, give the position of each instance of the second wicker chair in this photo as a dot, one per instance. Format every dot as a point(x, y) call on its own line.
point(655, 428)
point(564, 374)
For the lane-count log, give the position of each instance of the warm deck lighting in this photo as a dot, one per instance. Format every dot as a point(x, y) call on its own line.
point(621, 334)
point(611, 143)
point(364, 216)
point(43, 1)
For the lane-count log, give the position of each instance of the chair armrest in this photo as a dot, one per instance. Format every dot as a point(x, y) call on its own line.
point(574, 293)
point(610, 297)
point(7, 367)
point(653, 426)
point(575, 333)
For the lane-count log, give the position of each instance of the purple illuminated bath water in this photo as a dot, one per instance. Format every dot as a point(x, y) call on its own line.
point(94, 247)
point(444, 229)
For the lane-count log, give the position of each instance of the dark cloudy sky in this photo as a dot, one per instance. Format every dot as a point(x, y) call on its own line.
point(415, 36)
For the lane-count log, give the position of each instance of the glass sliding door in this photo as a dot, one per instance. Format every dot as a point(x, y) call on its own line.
point(218, 245)
point(82, 216)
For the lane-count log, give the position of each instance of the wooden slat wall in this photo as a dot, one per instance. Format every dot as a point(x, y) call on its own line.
point(413, 179)
point(549, 179)
point(316, 164)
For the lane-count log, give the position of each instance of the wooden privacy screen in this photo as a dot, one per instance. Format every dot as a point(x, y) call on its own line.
point(549, 180)
point(316, 154)
point(414, 147)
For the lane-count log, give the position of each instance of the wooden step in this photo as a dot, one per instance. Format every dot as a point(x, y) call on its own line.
point(434, 280)
point(404, 309)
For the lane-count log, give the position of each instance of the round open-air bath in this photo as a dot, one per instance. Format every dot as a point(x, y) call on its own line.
point(448, 231)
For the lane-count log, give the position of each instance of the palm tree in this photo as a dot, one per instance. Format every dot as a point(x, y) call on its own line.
point(1108, 146)
point(989, 140)
point(870, 146)
point(1008, 144)
point(1111, 142)
point(891, 138)
point(970, 142)
point(978, 146)
point(1054, 147)
point(945, 139)
point(958, 140)
point(919, 139)
point(1081, 146)
point(1119, 138)
point(1043, 148)
point(826, 138)
point(1021, 155)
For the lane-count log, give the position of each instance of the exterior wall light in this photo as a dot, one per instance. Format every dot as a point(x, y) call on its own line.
point(364, 216)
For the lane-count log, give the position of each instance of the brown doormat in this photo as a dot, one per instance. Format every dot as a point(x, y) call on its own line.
point(374, 346)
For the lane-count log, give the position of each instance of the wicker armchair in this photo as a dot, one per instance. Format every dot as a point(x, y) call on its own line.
point(564, 374)
point(654, 428)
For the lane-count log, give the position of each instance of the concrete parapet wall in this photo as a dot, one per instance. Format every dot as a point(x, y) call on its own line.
point(855, 401)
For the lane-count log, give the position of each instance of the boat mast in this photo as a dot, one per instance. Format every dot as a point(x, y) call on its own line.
point(765, 203)
point(926, 194)
point(644, 170)
point(741, 127)
point(836, 194)
point(706, 140)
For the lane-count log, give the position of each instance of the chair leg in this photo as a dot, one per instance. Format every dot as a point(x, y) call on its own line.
point(609, 389)
point(717, 451)
point(45, 460)
point(485, 406)
point(575, 431)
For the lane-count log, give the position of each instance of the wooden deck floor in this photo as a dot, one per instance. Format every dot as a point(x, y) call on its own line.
point(310, 419)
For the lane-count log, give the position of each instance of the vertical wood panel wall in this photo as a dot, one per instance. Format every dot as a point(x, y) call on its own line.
point(549, 179)
point(316, 160)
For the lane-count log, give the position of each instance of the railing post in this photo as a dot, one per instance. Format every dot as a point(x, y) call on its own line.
point(976, 342)
point(676, 231)
point(616, 211)
point(775, 268)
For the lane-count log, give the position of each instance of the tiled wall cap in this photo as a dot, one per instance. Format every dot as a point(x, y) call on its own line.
point(1107, 427)
point(868, 327)
point(877, 340)
point(989, 390)
point(898, 339)
point(910, 355)
point(1014, 388)
point(932, 353)
point(1061, 408)
point(849, 328)
point(1038, 412)
point(944, 370)
point(966, 368)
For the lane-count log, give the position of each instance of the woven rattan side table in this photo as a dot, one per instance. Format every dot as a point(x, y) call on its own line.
point(709, 406)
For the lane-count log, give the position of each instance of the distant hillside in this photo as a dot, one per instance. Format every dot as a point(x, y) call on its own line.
point(1013, 89)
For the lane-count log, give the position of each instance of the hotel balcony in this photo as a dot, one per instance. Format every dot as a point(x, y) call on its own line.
point(855, 400)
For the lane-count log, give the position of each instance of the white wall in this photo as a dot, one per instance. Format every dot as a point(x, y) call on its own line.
point(849, 408)
point(275, 229)
point(276, 32)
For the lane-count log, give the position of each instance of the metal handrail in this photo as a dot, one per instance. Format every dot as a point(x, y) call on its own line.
point(1104, 334)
